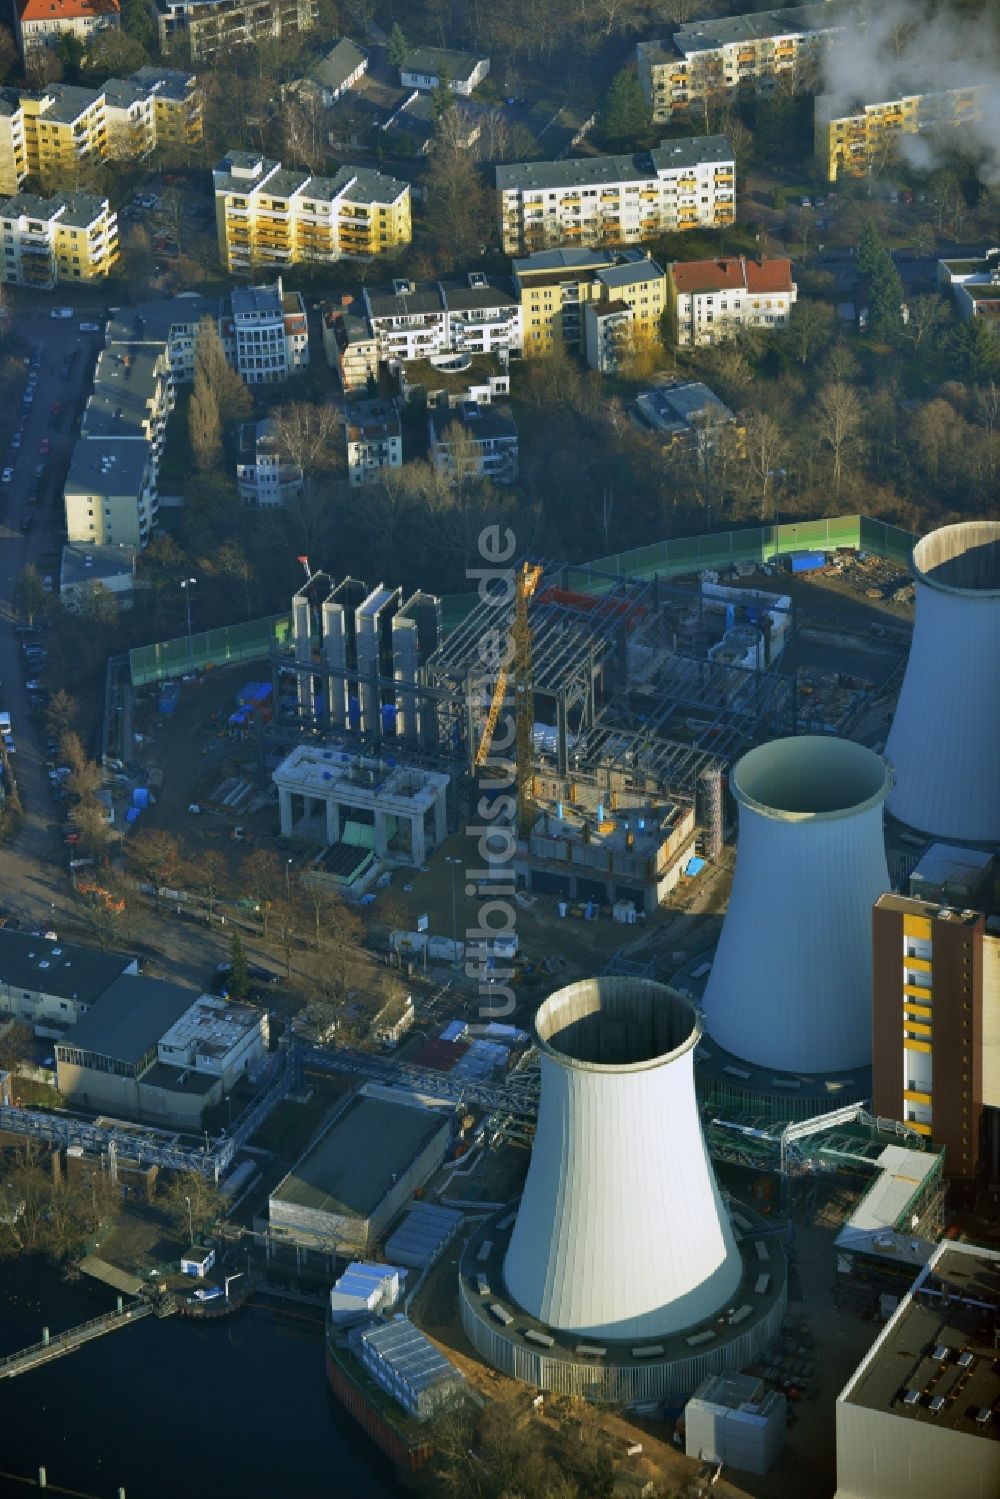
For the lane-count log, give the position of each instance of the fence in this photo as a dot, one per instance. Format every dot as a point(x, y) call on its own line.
point(682, 554)
point(250, 641)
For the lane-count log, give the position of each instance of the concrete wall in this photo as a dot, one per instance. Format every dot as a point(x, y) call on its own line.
point(884, 1456)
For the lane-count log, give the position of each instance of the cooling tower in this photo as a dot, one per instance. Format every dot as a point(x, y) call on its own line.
point(790, 986)
point(621, 1232)
point(944, 744)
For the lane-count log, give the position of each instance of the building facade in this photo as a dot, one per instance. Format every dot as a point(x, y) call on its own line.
point(263, 477)
point(711, 300)
point(474, 442)
point(975, 288)
point(617, 200)
point(62, 130)
point(351, 347)
point(554, 286)
point(374, 440)
point(40, 23)
point(414, 320)
point(855, 142)
point(936, 1024)
point(69, 237)
point(206, 27)
point(110, 492)
point(335, 73)
point(743, 56)
point(425, 67)
point(266, 216)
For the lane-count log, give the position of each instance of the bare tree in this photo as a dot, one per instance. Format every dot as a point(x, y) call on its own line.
point(309, 436)
point(839, 416)
point(765, 445)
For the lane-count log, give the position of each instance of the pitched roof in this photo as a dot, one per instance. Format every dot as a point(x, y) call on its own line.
point(769, 275)
point(733, 273)
point(65, 10)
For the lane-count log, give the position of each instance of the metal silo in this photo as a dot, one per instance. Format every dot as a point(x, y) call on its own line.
point(621, 1232)
point(945, 739)
point(790, 986)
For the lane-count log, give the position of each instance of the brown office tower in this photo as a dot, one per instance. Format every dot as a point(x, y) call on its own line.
point(928, 1024)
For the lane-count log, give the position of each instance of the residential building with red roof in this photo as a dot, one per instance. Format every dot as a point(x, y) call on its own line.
point(712, 299)
point(40, 23)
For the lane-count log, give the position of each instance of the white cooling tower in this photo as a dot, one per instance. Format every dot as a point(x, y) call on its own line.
point(790, 986)
point(621, 1232)
point(945, 739)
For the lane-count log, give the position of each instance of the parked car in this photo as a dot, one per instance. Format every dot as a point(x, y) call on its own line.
point(90, 327)
point(8, 475)
point(61, 312)
point(45, 447)
point(9, 745)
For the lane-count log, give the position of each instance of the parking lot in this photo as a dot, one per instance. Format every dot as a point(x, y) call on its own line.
point(178, 214)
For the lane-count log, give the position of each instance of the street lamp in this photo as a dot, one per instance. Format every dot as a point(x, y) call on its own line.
point(187, 584)
point(288, 888)
point(190, 1220)
point(229, 1278)
point(454, 919)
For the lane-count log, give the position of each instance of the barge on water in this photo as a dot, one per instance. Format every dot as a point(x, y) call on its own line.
point(392, 1380)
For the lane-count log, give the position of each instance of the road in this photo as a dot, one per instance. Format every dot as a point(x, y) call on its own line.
point(31, 876)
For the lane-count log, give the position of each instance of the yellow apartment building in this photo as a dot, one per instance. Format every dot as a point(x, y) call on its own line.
point(859, 141)
point(742, 55)
point(267, 216)
point(68, 237)
point(555, 286)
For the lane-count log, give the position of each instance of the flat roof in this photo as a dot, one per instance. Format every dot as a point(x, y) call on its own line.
point(912, 905)
point(945, 863)
point(108, 465)
point(131, 1016)
point(125, 381)
point(88, 564)
point(901, 1174)
point(641, 166)
point(35, 965)
point(415, 1361)
point(352, 1166)
point(942, 1352)
point(633, 273)
point(425, 297)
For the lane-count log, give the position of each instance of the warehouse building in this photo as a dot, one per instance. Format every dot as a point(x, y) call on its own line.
point(157, 1051)
point(920, 1416)
point(51, 984)
point(340, 1196)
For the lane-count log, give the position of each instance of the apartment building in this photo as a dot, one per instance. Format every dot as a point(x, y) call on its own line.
point(425, 67)
point(267, 216)
point(110, 492)
point(350, 346)
point(617, 200)
point(178, 116)
point(454, 380)
point(132, 397)
point(711, 300)
point(68, 237)
point(474, 442)
point(271, 333)
point(742, 55)
point(554, 287)
point(374, 440)
point(473, 315)
point(936, 1023)
point(40, 23)
point(62, 130)
point(862, 140)
point(264, 331)
point(975, 287)
point(264, 478)
point(206, 27)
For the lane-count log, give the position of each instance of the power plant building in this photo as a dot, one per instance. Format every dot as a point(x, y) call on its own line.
point(946, 730)
point(920, 1416)
point(621, 1274)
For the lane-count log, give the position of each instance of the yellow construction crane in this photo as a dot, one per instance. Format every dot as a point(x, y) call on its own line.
point(519, 666)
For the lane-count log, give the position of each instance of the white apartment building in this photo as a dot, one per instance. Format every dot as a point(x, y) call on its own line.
point(270, 333)
point(278, 317)
point(40, 23)
point(712, 299)
point(474, 442)
point(263, 477)
point(416, 319)
point(617, 200)
point(374, 440)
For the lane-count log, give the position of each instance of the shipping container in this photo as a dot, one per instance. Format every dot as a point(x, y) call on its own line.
point(807, 562)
